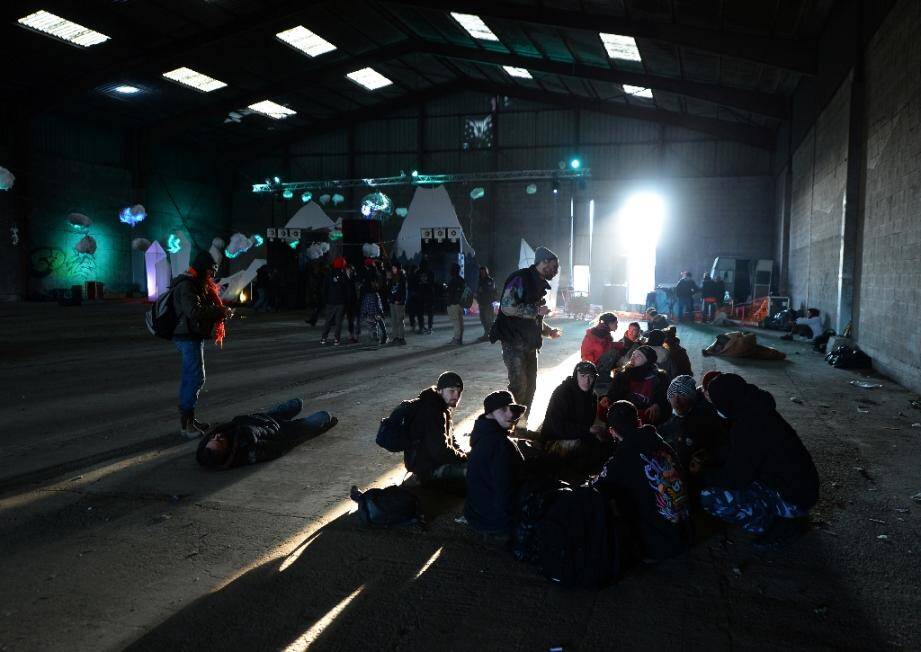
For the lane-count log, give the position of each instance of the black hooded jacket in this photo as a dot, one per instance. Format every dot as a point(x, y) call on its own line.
point(570, 412)
point(493, 469)
point(700, 429)
point(253, 438)
point(763, 447)
point(431, 431)
point(645, 478)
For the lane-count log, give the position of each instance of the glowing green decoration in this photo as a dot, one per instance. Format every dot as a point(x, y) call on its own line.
point(258, 240)
point(402, 212)
point(477, 193)
point(531, 188)
point(575, 164)
point(335, 235)
point(173, 244)
point(376, 205)
point(294, 243)
point(338, 199)
point(287, 193)
point(306, 196)
point(232, 255)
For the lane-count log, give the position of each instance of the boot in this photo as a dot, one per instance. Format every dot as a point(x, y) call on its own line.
point(201, 426)
point(187, 428)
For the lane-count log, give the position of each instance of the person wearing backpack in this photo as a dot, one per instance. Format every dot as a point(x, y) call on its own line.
point(645, 480)
point(199, 313)
point(252, 438)
point(432, 454)
point(456, 288)
point(493, 466)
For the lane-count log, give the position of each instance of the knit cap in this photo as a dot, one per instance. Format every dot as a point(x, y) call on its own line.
point(682, 386)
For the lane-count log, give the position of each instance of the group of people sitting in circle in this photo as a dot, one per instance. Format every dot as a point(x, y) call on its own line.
point(630, 423)
point(653, 441)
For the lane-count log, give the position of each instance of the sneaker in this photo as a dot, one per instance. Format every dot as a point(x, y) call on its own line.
point(324, 341)
point(336, 343)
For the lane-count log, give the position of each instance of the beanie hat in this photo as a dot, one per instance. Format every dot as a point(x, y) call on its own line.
point(622, 415)
point(655, 338)
point(203, 260)
point(725, 391)
point(607, 318)
point(708, 377)
point(648, 353)
point(542, 253)
point(585, 367)
point(449, 379)
point(681, 386)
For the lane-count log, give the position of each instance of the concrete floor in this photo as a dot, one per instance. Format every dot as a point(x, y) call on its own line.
point(112, 536)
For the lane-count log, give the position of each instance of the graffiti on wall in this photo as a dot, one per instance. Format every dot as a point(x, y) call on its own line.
point(53, 261)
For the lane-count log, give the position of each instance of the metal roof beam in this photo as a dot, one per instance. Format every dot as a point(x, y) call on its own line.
point(756, 136)
point(795, 56)
point(761, 103)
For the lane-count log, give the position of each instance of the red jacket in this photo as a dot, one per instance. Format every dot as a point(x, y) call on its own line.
point(596, 343)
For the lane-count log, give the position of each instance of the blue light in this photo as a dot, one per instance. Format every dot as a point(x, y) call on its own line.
point(575, 164)
point(294, 243)
point(306, 197)
point(287, 193)
point(173, 244)
point(258, 240)
point(232, 255)
point(132, 215)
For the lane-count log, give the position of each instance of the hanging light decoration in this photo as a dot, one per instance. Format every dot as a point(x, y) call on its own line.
point(132, 215)
point(376, 206)
point(477, 193)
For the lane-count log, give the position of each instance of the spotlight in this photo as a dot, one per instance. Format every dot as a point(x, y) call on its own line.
point(287, 193)
point(276, 180)
point(306, 196)
point(415, 173)
point(575, 164)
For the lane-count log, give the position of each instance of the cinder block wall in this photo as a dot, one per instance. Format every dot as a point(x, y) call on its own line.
point(890, 274)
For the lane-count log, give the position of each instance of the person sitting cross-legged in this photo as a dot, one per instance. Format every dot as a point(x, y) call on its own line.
point(694, 430)
point(434, 456)
point(769, 482)
point(251, 438)
point(646, 481)
point(568, 425)
point(643, 383)
point(494, 466)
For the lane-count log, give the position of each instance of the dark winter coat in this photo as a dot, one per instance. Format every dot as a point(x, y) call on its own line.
point(646, 480)
point(456, 287)
point(338, 288)
point(196, 313)
point(685, 288)
point(424, 286)
point(493, 469)
point(432, 436)
point(763, 447)
point(253, 438)
point(486, 290)
point(519, 324)
point(701, 429)
point(709, 289)
point(570, 412)
point(397, 290)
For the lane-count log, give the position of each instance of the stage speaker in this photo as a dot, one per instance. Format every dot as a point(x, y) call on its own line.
point(355, 233)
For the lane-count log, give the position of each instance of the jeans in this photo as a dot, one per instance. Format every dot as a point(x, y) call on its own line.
point(456, 317)
point(521, 364)
point(685, 305)
point(193, 372)
point(487, 317)
point(397, 313)
point(334, 315)
point(754, 508)
point(426, 309)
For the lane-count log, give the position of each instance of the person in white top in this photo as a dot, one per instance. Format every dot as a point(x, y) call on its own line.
point(809, 326)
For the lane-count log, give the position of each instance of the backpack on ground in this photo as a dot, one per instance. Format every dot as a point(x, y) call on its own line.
point(161, 319)
point(577, 542)
point(387, 507)
point(393, 433)
point(534, 499)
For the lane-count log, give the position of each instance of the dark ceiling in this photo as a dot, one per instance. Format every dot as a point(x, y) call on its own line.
point(722, 66)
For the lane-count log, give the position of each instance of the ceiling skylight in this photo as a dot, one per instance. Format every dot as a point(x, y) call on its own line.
point(369, 78)
point(126, 89)
point(301, 38)
point(63, 29)
point(272, 110)
point(193, 79)
point(474, 26)
point(637, 91)
point(620, 47)
point(517, 72)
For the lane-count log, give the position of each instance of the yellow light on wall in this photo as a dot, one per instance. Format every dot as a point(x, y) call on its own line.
point(243, 297)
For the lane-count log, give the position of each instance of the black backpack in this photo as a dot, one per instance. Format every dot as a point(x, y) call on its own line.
point(389, 506)
point(577, 543)
point(161, 319)
point(534, 499)
point(393, 433)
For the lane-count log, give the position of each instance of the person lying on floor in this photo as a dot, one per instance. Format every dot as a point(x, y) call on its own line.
point(569, 424)
point(769, 482)
point(494, 466)
point(434, 457)
point(694, 429)
point(646, 481)
point(641, 382)
point(251, 438)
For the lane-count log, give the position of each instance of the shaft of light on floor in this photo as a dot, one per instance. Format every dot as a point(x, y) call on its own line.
point(306, 639)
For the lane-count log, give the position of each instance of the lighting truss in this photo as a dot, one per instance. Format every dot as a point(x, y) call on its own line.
point(421, 180)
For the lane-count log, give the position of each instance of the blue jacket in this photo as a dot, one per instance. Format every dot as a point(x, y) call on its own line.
point(493, 467)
